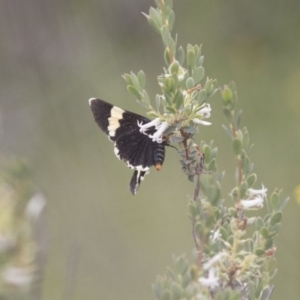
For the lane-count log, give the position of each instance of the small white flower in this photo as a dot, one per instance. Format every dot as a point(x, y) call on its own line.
point(212, 281)
point(35, 206)
point(180, 77)
point(157, 136)
point(262, 192)
point(201, 122)
point(17, 276)
point(257, 202)
point(216, 235)
point(203, 113)
point(145, 127)
point(159, 126)
point(212, 261)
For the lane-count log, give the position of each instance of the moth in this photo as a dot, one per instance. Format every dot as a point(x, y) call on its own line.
point(135, 148)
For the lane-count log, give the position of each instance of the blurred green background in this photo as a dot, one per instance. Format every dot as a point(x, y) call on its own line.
point(103, 242)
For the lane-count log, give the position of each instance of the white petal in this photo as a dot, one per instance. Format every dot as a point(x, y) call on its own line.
point(262, 192)
point(157, 136)
point(212, 261)
point(211, 281)
point(144, 127)
point(17, 276)
point(35, 206)
point(205, 111)
point(198, 121)
point(257, 202)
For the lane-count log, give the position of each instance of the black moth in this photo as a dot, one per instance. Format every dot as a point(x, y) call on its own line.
point(136, 149)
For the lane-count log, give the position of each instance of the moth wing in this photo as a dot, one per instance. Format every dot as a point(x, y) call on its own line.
point(130, 145)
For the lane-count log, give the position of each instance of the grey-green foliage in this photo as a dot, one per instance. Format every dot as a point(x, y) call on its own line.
point(22, 251)
point(181, 106)
point(235, 252)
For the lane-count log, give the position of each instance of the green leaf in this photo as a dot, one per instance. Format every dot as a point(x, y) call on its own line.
point(221, 177)
point(227, 95)
point(212, 165)
point(146, 97)
point(170, 84)
point(264, 232)
point(132, 90)
point(197, 50)
point(192, 209)
point(251, 290)
point(207, 153)
point(135, 81)
point(186, 280)
point(191, 59)
point(269, 243)
point(190, 83)
point(274, 230)
point(239, 135)
point(157, 102)
point(228, 114)
point(283, 205)
point(259, 286)
point(276, 218)
point(174, 139)
point(200, 61)
point(157, 288)
point(156, 16)
point(275, 201)
point(180, 55)
point(191, 178)
point(259, 252)
point(152, 114)
point(191, 130)
point(127, 78)
point(243, 189)
point(142, 79)
point(178, 99)
point(170, 109)
point(181, 265)
point(168, 6)
point(176, 291)
point(171, 20)
point(174, 67)
point(224, 233)
point(265, 293)
point(227, 131)
point(237, 147)
point(246, 140)
point(155, 26)
point(202, 95)
point(249, 245)
point(199, 228)
point(171, 274)
point(198, 74)
point(142, 104)
point(251, 179)
point(238, 119)
point(259, 223)
point(209, 85)
point(166, 36)
point(167, 56)
point(214, 152)
point(166, 295)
